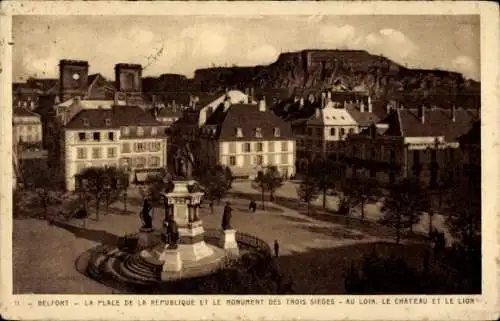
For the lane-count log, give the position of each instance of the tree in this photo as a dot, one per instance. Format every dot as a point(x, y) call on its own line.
point(404, 205)
point(464, 219)
point(269, 180)
point(308, 191)
point(325, 173)
point(358, 192)
point(216, 181)
point(157, 185)
point(92, 181)
point(123, 185)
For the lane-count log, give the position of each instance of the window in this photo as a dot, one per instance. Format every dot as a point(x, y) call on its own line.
point(276, 132)
point(125, 148)
point(332, 131)
point(155, 146)
point(140, 131)
point(111, 152)
point(97, 136)
point(85, 122)
point(239, 132)
point(154, 161)
point(81, 137)
point(125, 131)
point(318, 132)
point(247, 148)
point(96, 153)
point(271, 159)
point(259, 147)
point(139, 147)
point(111, 136)
point(351, 131)
point(284, 159)
point(232, 161)
point(30, 128)
point(80, 167)
point(258, 132)
point(309, 131)
point(154, 131)
point(232, 148)
point(108, 122)
point(270, 147)
point(140, 162)
point(342, 132)
point(81, 153)
point(319, 143)
point(284, 146)
point(259, 160)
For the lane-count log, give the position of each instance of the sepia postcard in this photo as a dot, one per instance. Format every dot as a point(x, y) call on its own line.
point(249, 160)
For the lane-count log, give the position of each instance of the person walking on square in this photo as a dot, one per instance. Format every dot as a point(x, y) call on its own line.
point(276, 248)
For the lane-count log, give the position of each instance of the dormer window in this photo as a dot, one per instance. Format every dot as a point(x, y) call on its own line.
point(154, 131)
point(239, 132)
point(258, 132)
point(85, 122)
point(125, 131)
point(140, 131)
point(108, 122)
point(276, 132)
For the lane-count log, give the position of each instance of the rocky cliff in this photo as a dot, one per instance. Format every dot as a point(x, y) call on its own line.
point(352, 69)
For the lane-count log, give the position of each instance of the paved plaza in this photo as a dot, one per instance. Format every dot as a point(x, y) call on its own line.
point(45, 255)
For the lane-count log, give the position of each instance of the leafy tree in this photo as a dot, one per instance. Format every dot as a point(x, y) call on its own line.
point(404, 205)
point(464, 219)
point(358, 192)
point(123, 185)
point(46, 199)
point(325, 173)
point(157, 184)
point(269, 180)
point(95, 181)
point(308, 191)
point(112, 184)
point(216, 181)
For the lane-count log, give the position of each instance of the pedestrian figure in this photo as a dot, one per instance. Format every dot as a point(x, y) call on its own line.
point(252, 206)
point(226, 217)
point(276, 248)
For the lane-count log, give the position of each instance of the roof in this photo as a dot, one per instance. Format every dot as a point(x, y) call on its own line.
point(248, 117)
point(438, 122)
point(168, 112)
point(363, 118)
point(331, 116)
point(23, 112)
point(88, 104)
point(117, 116)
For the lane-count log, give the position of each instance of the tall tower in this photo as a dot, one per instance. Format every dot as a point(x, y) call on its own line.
point(73, 78)
point(128, 78)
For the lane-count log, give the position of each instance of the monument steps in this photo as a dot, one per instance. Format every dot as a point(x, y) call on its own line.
point(134, 265)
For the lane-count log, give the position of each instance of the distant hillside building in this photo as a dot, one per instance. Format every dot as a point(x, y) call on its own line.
point(247, 138)
point(421, 143)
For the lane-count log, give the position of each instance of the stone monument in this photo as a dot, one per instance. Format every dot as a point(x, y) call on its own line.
point(172, 262)
point(228, 235)
point(184, 209)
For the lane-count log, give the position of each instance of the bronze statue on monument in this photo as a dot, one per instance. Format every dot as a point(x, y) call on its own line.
point(183, 161)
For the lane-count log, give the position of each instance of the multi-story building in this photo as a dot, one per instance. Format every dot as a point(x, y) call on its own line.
point(419, 143)
point(247, 138)
point(26, 127)
point(123, 136)
point(337, 116)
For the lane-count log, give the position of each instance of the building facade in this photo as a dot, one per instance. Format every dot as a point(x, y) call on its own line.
point(421, 144)
point(26, 127)
point(247, 138)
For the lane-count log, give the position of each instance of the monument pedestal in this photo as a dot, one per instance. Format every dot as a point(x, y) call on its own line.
point(172, 265)
point(146, 238)
point(228, 241)
point(192, 243)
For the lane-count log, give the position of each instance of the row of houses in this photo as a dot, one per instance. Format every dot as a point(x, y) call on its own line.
point(246, 132)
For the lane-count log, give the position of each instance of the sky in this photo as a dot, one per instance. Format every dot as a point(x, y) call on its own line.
point(182, 44)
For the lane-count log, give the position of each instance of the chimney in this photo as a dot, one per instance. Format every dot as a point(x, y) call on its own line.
point(318, 112)
point(262, 104)
point(370, 105)
point(421, 113)
point(453, 113)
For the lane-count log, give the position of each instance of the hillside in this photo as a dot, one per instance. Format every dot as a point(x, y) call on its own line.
point(317, 69)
